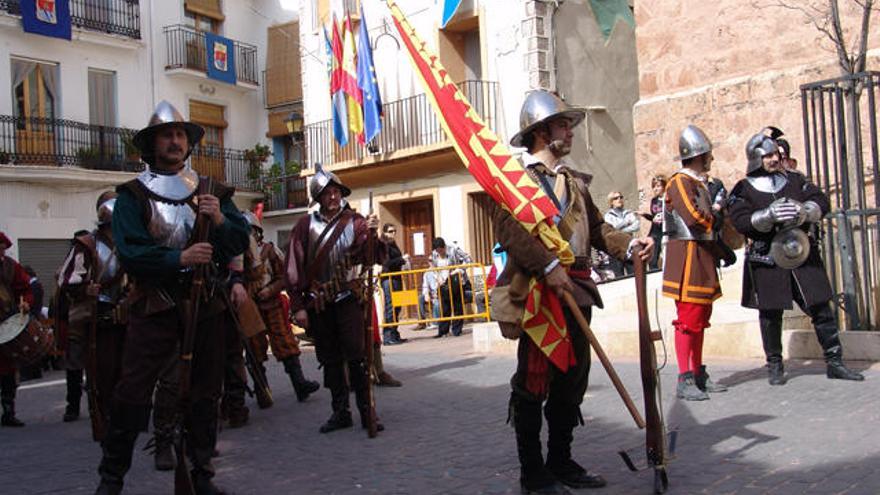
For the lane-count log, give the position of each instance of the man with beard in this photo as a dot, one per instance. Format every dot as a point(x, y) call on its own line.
point(153, 221)
point(546, 124)
point(689, 273)
point(327, 295)
point(764, 205)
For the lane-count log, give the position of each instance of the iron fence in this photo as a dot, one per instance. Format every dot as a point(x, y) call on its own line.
point(285, 193)
point(68, 143)
point(109, 16)
point(407, 123)
point(843, 159)
point(185, 49)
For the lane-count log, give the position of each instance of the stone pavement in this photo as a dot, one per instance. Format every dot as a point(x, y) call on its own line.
point(446, 434)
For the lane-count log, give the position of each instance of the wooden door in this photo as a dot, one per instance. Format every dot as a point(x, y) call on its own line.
point(35, 136)
point(418, 231)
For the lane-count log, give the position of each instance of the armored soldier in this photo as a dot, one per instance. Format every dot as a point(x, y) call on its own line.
point(15, 295)
point(546, 124)
point(689, 272)
point(153, 219)
point(326, 294)
point(263, 281)
point(775, 210)
point(94, 284)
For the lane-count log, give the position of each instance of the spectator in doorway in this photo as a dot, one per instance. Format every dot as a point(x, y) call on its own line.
point(623, 220)
point(394, 263)
point(451, 284)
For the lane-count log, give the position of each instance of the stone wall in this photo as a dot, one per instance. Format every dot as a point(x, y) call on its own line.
point(731, 76)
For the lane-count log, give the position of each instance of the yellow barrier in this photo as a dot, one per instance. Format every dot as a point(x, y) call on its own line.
point(411, 291)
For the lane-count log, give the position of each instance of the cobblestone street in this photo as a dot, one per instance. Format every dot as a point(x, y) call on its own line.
point(446, 434)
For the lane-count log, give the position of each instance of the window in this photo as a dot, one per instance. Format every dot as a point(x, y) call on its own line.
point(34, 89)
point(209, 158)
point(102, 97)
point(204, 15)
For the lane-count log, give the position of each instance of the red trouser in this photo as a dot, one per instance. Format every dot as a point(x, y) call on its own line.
point(692, 319)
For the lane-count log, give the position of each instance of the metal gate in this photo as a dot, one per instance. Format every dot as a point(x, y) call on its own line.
point(841, 147)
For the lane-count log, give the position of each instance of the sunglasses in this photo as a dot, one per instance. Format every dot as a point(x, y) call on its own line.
point(614, 198)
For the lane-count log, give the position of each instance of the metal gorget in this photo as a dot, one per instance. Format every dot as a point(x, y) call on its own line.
point(770, 184)
point(336, 258)
point(175, 187)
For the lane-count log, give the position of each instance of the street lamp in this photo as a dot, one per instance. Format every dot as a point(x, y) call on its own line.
point(294, 123)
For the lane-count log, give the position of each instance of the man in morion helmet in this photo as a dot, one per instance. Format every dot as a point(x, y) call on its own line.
point(153, 221)
point(546, 124)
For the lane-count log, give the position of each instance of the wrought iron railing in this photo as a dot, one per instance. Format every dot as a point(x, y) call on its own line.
point(108, 16)
point(285, 193)
point(67, 143)
point(842, 157)
point(407, 123)
point(186, 49)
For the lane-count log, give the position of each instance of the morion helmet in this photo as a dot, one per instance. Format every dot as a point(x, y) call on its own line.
point(759, 146)
point(165, 115)
point(104, 207)
point(692, 142)
point(540, 107)
point(321, 180)
point(252, 220)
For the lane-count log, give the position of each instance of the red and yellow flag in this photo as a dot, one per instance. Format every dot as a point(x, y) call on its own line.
point(353, 94)
point(490, 162)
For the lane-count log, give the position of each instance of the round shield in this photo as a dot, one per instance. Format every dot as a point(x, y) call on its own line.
point(12, 326)
point(790, 248)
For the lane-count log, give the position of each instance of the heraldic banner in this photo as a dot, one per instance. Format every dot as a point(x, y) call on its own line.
point(46, 17)
point(221, 58)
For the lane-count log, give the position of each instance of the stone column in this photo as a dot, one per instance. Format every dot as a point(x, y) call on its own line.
point(538, 60)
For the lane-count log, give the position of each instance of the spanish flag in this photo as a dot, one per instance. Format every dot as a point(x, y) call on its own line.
point(490, 162)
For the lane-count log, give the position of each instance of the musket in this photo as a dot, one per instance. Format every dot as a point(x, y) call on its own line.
point(372, 428)
point(96, 415)
point(656, 452)
point(190, 309)
point(258, 375)
point(603, 358)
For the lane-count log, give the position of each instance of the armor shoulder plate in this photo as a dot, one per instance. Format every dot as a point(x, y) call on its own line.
point(770, 184)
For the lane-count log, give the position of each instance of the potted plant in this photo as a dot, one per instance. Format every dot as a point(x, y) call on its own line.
point(88, 157)
point(255, 157)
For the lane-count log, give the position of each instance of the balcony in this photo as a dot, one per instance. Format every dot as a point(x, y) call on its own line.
point(285, 193)
point(409, 126)
point(185, 48)
point(121, 17)
point(67, 143)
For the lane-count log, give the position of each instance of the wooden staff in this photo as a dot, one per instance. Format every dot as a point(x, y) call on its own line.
point(372, 428)
point(585, 327)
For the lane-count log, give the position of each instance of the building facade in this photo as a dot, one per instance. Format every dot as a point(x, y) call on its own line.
point(71, 107)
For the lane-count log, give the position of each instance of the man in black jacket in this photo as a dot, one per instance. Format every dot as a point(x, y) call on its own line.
point(769, 201)
point(396, 261)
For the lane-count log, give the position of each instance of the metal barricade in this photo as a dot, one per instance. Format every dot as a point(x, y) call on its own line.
point(444, 287)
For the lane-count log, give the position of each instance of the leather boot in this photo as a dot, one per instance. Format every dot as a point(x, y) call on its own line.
point(334, 379)
point(534, 477)
point(381, 377)
point(201, 441)
point(302, 386)
point(164, 424)
point(829, 338)
point(776, 373)
point(358, 378)
point(74, 395)
point(561, 421)
point(835, 368)
point(687, 388)
point(8, 384)
point(706, 384)
point(126, 421)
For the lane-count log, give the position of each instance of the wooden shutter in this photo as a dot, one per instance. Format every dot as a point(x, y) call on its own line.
point(207, 8)
point(207, 114)
point(480, 211)
point(283, 77)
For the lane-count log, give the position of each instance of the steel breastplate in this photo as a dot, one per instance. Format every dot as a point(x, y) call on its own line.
point(111, 282)
point(175, 187)
point(770, 184)
point(171, 224)
point(677, 230)
point(335, 260)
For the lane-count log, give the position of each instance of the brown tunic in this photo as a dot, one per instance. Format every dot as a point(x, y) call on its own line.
point(689, 273)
